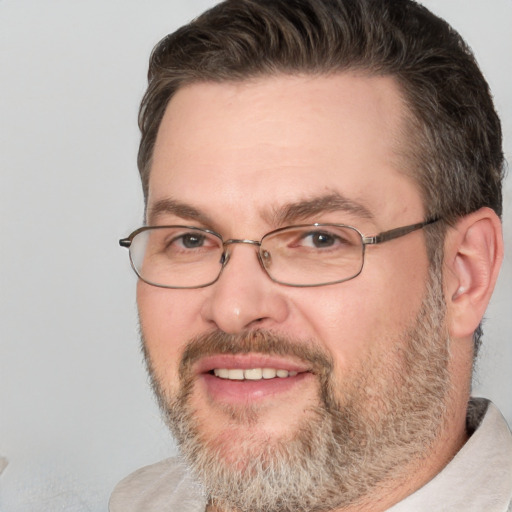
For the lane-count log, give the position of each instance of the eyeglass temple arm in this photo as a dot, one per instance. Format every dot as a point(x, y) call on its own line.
point(396, 233)
point(125, 242)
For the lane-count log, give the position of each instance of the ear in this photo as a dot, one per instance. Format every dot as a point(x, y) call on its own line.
point(472, 259)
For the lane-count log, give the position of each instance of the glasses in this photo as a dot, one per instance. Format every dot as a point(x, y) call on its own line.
point(302, 256)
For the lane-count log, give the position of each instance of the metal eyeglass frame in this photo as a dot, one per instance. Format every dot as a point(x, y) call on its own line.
point(382, 237)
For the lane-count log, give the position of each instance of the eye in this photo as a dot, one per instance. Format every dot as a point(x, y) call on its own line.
point(179, 241)
point(320, 240)
point(191, 240)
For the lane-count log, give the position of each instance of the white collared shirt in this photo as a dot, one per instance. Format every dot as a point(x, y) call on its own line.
point(478, 478)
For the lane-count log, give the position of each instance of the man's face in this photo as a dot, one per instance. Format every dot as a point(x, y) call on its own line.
point(243, 159)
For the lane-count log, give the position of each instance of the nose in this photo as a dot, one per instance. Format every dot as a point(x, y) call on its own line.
point(244, 297)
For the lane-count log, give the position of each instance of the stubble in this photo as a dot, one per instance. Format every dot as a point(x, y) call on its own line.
point(361, 432)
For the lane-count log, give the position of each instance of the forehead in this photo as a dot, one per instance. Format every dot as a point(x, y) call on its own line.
point(252, 145)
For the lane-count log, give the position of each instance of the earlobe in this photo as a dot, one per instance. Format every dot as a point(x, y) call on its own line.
point(473, 256)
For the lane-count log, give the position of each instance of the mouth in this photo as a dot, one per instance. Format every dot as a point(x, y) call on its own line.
point(247, 378)
point(252, 374)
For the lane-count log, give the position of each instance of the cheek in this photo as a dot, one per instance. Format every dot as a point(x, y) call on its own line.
point(168, 320)
point(366, 315)
point(343, 321)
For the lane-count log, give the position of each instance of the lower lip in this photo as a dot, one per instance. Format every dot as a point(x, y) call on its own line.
point(244, 391)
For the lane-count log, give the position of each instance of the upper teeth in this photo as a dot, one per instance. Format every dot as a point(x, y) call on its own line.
point(252, 373)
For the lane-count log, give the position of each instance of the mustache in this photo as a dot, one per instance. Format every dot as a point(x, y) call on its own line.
point(256, 341)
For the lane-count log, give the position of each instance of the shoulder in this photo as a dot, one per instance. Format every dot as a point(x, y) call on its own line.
point(158, 487)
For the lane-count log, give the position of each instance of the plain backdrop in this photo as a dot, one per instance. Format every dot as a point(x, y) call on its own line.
point(76, 411)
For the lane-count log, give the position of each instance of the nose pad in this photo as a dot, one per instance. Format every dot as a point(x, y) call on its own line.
point(265, 259)
point(224, 258)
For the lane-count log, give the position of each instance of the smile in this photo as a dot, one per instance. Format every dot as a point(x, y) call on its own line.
point(252, 373)
point(241, 379)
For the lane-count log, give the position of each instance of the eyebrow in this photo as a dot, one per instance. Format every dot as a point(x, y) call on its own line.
point(306, 209)
point(177, 208)
point(279, 216)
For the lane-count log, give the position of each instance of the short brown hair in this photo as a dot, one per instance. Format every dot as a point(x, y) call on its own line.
point(456, 143)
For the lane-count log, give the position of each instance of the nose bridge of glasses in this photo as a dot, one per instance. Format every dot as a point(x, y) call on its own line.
point(226, 254)
point(240, 241)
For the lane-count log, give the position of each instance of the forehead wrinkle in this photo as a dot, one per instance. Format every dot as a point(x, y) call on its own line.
point(177, 208)
point(308, 208)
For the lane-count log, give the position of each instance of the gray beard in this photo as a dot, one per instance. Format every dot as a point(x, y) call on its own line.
point(388, 416)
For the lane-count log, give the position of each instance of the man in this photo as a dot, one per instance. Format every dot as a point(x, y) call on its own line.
point(323, 193)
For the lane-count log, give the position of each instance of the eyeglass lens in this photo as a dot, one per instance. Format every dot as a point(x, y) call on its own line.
point(311, 255)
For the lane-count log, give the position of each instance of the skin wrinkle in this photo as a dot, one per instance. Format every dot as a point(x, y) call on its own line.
point(350, 442)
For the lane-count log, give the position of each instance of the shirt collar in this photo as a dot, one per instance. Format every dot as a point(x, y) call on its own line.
point(479, 477)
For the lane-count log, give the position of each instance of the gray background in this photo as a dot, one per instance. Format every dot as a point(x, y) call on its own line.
point(76, 412)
